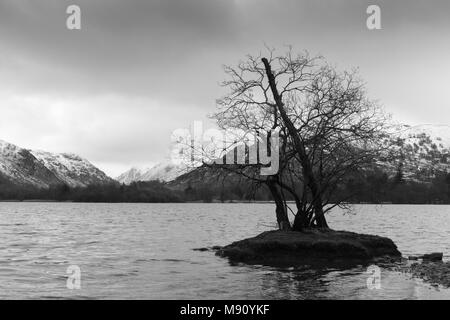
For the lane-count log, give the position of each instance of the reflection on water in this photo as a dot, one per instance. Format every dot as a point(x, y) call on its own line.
point(139, 251)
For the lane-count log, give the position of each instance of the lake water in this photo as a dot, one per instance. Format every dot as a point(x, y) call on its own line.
point(144, 251)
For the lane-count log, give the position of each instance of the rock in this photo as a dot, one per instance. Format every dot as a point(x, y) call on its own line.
point(435, 256)
point(213, 248)
point(437, 273)
point(413, 258)
point(326, 247)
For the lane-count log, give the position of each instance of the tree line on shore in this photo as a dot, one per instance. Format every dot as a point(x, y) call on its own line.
point(375, 187)
point(152, 191)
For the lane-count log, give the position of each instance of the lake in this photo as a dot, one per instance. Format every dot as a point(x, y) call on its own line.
point(144, 251)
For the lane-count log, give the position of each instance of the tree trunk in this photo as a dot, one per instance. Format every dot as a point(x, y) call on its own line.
point(281, 213)
point(321, 221)
point(299, 147)
point(300, 221)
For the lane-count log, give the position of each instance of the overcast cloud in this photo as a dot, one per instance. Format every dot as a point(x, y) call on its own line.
point(114, 91)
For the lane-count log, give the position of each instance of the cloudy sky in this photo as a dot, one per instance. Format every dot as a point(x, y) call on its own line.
point(137, 70)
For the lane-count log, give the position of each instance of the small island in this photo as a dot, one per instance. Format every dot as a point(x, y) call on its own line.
point(310, 247)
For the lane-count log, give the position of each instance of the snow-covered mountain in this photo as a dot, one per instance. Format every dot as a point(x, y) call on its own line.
point(72, 169)
point(43, 169)
point(437, 134)
point(162, 171)
point(132, 175)
point(422, 150)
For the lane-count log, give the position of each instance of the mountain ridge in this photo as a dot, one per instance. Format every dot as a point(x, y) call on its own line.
point(162, 171)
point(43, 169)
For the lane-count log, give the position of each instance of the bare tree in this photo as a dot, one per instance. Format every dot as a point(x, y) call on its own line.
point(328, 129)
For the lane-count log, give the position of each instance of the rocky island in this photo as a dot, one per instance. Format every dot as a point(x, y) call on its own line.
point(313, 246)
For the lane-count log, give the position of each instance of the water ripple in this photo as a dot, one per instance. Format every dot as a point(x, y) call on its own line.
point(139, 251)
